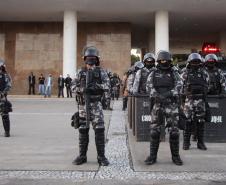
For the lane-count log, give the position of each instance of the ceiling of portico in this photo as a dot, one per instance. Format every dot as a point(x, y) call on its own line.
point(195, 15)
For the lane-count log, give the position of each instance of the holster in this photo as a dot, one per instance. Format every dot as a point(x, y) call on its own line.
point(75, 120)
point(5, 106)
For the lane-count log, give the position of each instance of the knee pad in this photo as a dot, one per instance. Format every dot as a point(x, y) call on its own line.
point(155, 133)
point(99, 128)
point(174, 133)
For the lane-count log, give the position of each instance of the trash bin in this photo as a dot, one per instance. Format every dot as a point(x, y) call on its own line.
point(215, 131)
point(142, 118)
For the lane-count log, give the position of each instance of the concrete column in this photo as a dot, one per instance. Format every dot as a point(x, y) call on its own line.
point(161, 31)
point(151, 40)
point(70, 44)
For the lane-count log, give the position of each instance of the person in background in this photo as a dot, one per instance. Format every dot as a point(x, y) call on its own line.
point(48, 85)
point(67, 82)
point(60, 86)
point(31, 83)
point(41, 86)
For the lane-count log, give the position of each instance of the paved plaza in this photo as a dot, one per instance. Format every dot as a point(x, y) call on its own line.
point(43, 144)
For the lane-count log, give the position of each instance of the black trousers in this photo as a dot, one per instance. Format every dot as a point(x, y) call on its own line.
point(60, 91)
point(6, 122)
point(31, 89)
point(69, 93)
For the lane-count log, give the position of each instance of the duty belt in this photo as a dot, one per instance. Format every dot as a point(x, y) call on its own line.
point(196, 96)
point(95, 99)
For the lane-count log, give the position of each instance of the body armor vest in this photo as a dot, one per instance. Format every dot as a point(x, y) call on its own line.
point(82, 79)
point(195, 83)
point(96, 75)
point(215, 85)
point(94, 78)
point(163, 80)
point(2, 82)
point(143, 80)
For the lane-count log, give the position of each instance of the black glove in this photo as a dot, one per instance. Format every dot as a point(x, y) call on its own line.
point(94, 89)
point(88, 90)
point(167, 94)
point(3, 94)
point(160, 98)
point(176, 99)
point(221, 96)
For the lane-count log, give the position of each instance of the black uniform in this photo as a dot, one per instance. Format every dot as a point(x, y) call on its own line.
point(31, 82)
point(68, 81)
point(60, 87)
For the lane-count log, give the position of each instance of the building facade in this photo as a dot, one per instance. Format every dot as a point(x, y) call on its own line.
point(48, 36)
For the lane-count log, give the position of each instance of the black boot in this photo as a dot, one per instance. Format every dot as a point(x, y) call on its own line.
point(187, 136)
point(194, 132)
point(200, 136)
point(154, 146)
point(124, 101)
point(83, 146)
point(174, 147)
point(100, 145)
point(109, 107)
point(6, 124)
point(194, 137)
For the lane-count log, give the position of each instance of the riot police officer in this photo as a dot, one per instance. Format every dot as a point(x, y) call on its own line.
point(217, 79)
point(195, 88)
point(115, 86)
point(92, 82)
point(131, 75)
point(164, 86)
point(217, 82)
point(6, 107)
point(139, 85)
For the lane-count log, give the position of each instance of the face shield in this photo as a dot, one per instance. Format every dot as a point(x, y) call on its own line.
point(164, 64)
point(149, 63)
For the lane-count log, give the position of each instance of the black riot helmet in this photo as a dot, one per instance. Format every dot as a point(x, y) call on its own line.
point(149, 60)
point(211, 60)
point(138, 65)
point(164, 59)
point(195, 60)
point(91, 55)
point(2, 66)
